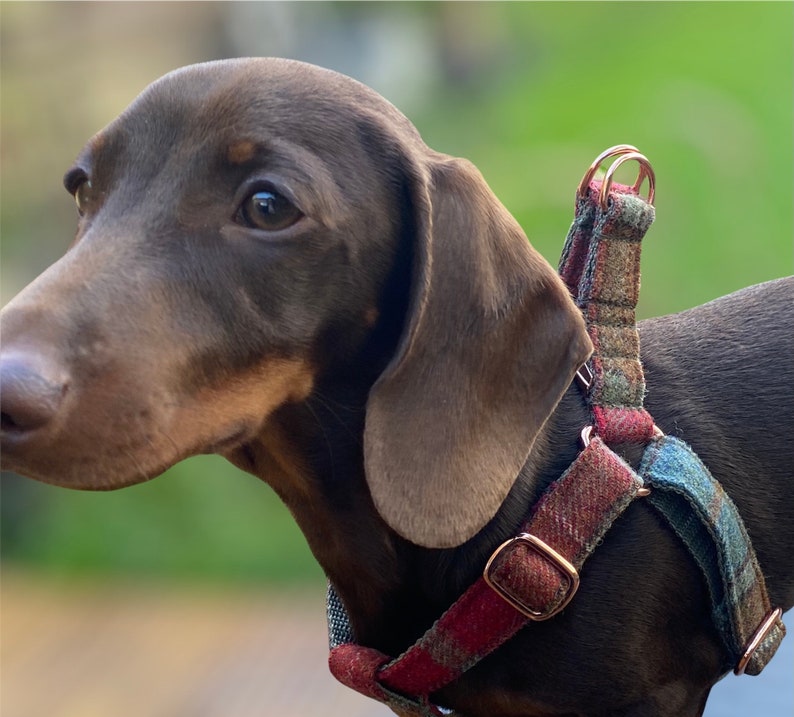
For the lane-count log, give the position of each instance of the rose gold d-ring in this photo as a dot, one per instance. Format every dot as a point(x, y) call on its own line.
point(615, 151)
point(646, 172)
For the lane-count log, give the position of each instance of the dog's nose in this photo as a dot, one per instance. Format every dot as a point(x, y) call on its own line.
point(29, 396)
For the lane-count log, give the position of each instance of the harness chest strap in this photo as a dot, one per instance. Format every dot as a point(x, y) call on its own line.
point(600, 266)
point(707, 521)
point(530, 577)
point(534, 575)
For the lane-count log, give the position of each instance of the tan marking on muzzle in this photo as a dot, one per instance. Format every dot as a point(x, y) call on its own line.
point(269, 451)
point(242, 403)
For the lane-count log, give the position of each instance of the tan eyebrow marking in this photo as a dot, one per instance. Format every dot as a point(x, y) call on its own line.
point(240, 152)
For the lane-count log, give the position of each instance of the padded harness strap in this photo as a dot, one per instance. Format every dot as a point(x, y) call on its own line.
point(706, 519)
point(601, 268)
point(534, 575)
point(529, 578)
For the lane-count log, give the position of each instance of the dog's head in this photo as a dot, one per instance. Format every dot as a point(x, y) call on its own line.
point(245, 228)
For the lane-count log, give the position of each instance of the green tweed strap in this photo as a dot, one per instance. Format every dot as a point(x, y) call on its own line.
point(534, 575)
point(706, 519)
point(600, 265)
point(608, 295)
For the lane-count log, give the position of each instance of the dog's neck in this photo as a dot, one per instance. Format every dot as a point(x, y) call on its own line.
point(312, 456)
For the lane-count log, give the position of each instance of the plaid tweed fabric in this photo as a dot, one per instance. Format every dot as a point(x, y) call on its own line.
point(600, 265)
point(572, 516)
point(577, 243)
point(706, 519)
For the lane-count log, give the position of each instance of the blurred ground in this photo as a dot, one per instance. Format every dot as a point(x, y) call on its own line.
point(120, 650)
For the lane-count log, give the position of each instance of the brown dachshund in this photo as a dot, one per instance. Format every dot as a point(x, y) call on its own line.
point(271, 265)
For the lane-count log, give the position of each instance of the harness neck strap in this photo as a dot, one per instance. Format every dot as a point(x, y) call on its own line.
point(534, 575)
point(529, 578)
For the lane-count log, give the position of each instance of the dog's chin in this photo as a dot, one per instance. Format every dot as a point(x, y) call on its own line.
point(88, 472)
point(101, 465)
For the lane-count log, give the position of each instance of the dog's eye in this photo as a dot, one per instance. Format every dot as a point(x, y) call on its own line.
point(82, 196)
point(268, 210)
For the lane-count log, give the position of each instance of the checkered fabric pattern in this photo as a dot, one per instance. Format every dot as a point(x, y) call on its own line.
point(572, 517)
point(600, 266)
point(706, 519)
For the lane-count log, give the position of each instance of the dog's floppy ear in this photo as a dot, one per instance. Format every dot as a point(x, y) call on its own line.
point(491, 343)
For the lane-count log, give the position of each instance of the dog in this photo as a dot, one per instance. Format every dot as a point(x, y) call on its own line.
point(272, 265)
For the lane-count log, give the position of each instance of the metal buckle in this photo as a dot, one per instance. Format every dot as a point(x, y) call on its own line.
point(584, 377)
point(758, 637)
point(565, 568)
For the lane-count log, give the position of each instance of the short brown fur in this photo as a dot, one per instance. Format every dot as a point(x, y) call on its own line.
point(396, 364)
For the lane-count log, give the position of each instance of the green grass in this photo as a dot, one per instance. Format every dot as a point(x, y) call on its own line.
point(703, 89)
point(202, 518)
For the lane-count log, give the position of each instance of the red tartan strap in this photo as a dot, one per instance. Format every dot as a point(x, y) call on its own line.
point(534, 575)
point(527, 580)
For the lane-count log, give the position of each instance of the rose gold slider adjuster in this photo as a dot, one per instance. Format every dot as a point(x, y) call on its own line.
point(758, 637)
point(568, 572)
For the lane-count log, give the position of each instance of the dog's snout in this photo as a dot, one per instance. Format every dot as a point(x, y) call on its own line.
point(30, 394)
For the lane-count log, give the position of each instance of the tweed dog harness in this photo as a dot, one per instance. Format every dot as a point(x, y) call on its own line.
point(534, 575)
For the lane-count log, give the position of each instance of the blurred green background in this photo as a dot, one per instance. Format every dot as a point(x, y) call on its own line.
point(530, 92)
